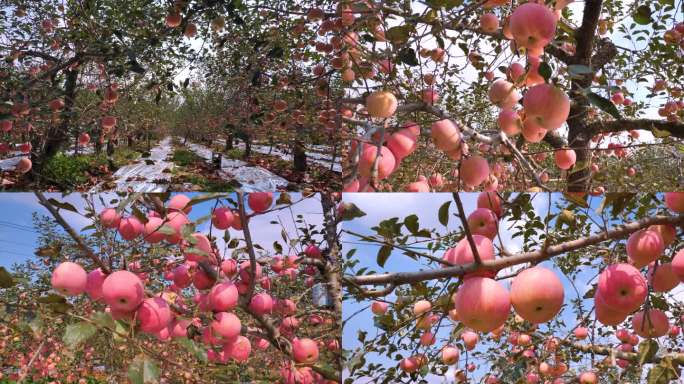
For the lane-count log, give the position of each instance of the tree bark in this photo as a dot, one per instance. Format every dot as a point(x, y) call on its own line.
point(229, 142)
point(248, 146)
point(57, 134)
point(110, 147)
point(579, 136)
point(299, 156)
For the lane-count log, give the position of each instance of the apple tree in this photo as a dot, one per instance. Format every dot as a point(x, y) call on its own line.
point(578, 290)
point(498, 95)
point(152, 293)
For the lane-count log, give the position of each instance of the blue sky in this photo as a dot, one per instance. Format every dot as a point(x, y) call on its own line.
point(379, 207)
point(18, 236)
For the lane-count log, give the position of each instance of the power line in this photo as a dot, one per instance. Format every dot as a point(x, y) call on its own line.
point(13, 253)
point(17, 225)
point(16, 243)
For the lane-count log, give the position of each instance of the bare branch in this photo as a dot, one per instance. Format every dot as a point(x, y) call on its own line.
point(70, 230)
point(618, 232)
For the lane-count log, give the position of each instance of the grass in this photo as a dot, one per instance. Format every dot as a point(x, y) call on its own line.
point(210, 185)
point(123, 156)
point(184, 157)
point(235, 153)
point(71, 170)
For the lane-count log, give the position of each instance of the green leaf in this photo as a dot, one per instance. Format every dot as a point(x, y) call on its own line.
point(36, 326)
point(6, 280)
point(276, 52)
point(660, 133)
point(350, 211)
point(205, 197)
point(411, 223)
point(277, 247)
point(104, 320)
point(618, 201)
point(166, 230)
point(408, 57)
point(663, 373)
point(443, 213)
point(284, 198)
point(62, 205)
point(78, 333)
point(143, 370)
point(647, 350)
point(51, 298)
point(642, 15)
point(545, 70)
point(577, 200)
point(193, 348)
point(399, 35)
point(384, 254)
point(577, 69)
point(604, 104)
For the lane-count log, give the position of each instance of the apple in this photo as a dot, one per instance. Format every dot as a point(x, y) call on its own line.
point(223, 297)
point(94, 282)
point(483, 221)
point(304, 351)
point(537, 294)
point(482, 303)
point(379, 307)
point(259, 202)
point(622, 287)
point(123, 291)
point(644, 246)
point(69, 279)
point(381, 104)
point(110, 218)
point(650, 323)
point(474, 170)
point(463, 254)
point(226, 324)
point(154, 314)
point(222, 218)
point(533, 27)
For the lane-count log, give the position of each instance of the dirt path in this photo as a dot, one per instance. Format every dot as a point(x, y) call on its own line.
point(252, 178)
point(314, 157)
point(142, 176)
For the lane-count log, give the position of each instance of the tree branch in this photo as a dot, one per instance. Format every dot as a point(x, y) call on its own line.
point(70, 230)
point(466, 228)
point(584, 35)
point(631, 356)
point(250, 249)
point(520, 258)
point(675, 128)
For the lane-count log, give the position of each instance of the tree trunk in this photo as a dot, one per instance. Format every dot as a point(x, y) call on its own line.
point(229, 142)
point(299, 156)
point(579, 136)
point(334, 156)
point(57, 134)
point(248, 147)
point(110, 148)
point(98, 145)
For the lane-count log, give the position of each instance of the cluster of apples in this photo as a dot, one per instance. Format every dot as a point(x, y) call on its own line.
point(674, 36)
point(163, 314)
point(622, 289)
point(45, 361)
point(24, 113)
point(536, 294)
point(545, 108)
